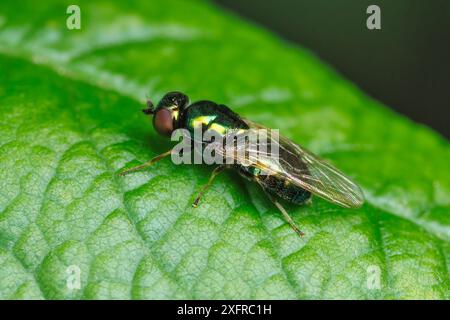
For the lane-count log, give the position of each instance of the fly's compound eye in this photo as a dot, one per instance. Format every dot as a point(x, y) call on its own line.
point(163, 122)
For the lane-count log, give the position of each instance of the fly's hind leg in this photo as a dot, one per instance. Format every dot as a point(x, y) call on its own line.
point(214, 174)
point(286, 216)
point(145, 164)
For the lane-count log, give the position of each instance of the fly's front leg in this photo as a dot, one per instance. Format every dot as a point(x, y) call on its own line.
point(215, 172)
point(287, 217)
point(145, 164)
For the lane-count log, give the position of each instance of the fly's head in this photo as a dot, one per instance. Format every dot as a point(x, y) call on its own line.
point(167, 113)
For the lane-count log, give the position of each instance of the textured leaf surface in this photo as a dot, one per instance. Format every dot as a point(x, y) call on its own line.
point(70, 119)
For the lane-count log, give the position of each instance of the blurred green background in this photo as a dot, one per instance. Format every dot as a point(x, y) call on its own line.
point(405, 64)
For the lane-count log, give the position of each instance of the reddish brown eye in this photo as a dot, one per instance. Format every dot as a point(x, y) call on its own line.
point(163, 123)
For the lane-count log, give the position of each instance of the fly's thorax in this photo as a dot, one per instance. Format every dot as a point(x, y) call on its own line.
point(207, 115)
point(206, 124)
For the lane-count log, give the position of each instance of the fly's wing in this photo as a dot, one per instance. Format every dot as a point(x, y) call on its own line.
point(296, 165)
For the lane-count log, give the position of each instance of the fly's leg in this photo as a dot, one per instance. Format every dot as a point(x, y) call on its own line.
point(286, 216)
point(145, 164)
point(215, 172)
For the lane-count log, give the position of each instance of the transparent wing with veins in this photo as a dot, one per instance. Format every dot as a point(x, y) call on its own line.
point(297, 165)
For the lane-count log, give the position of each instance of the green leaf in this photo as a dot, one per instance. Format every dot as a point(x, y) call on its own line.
point(70, 119)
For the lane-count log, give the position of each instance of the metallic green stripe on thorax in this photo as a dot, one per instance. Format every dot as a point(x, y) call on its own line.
point(208, 115)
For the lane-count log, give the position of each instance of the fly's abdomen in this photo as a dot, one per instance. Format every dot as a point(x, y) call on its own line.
point(275, 185)
point(284, 189)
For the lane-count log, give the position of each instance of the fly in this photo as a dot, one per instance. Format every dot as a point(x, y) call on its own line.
point(295, 177)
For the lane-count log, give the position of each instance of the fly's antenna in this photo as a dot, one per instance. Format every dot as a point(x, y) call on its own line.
point(150, 107)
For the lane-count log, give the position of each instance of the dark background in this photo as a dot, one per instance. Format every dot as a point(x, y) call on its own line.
point(405, 65)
